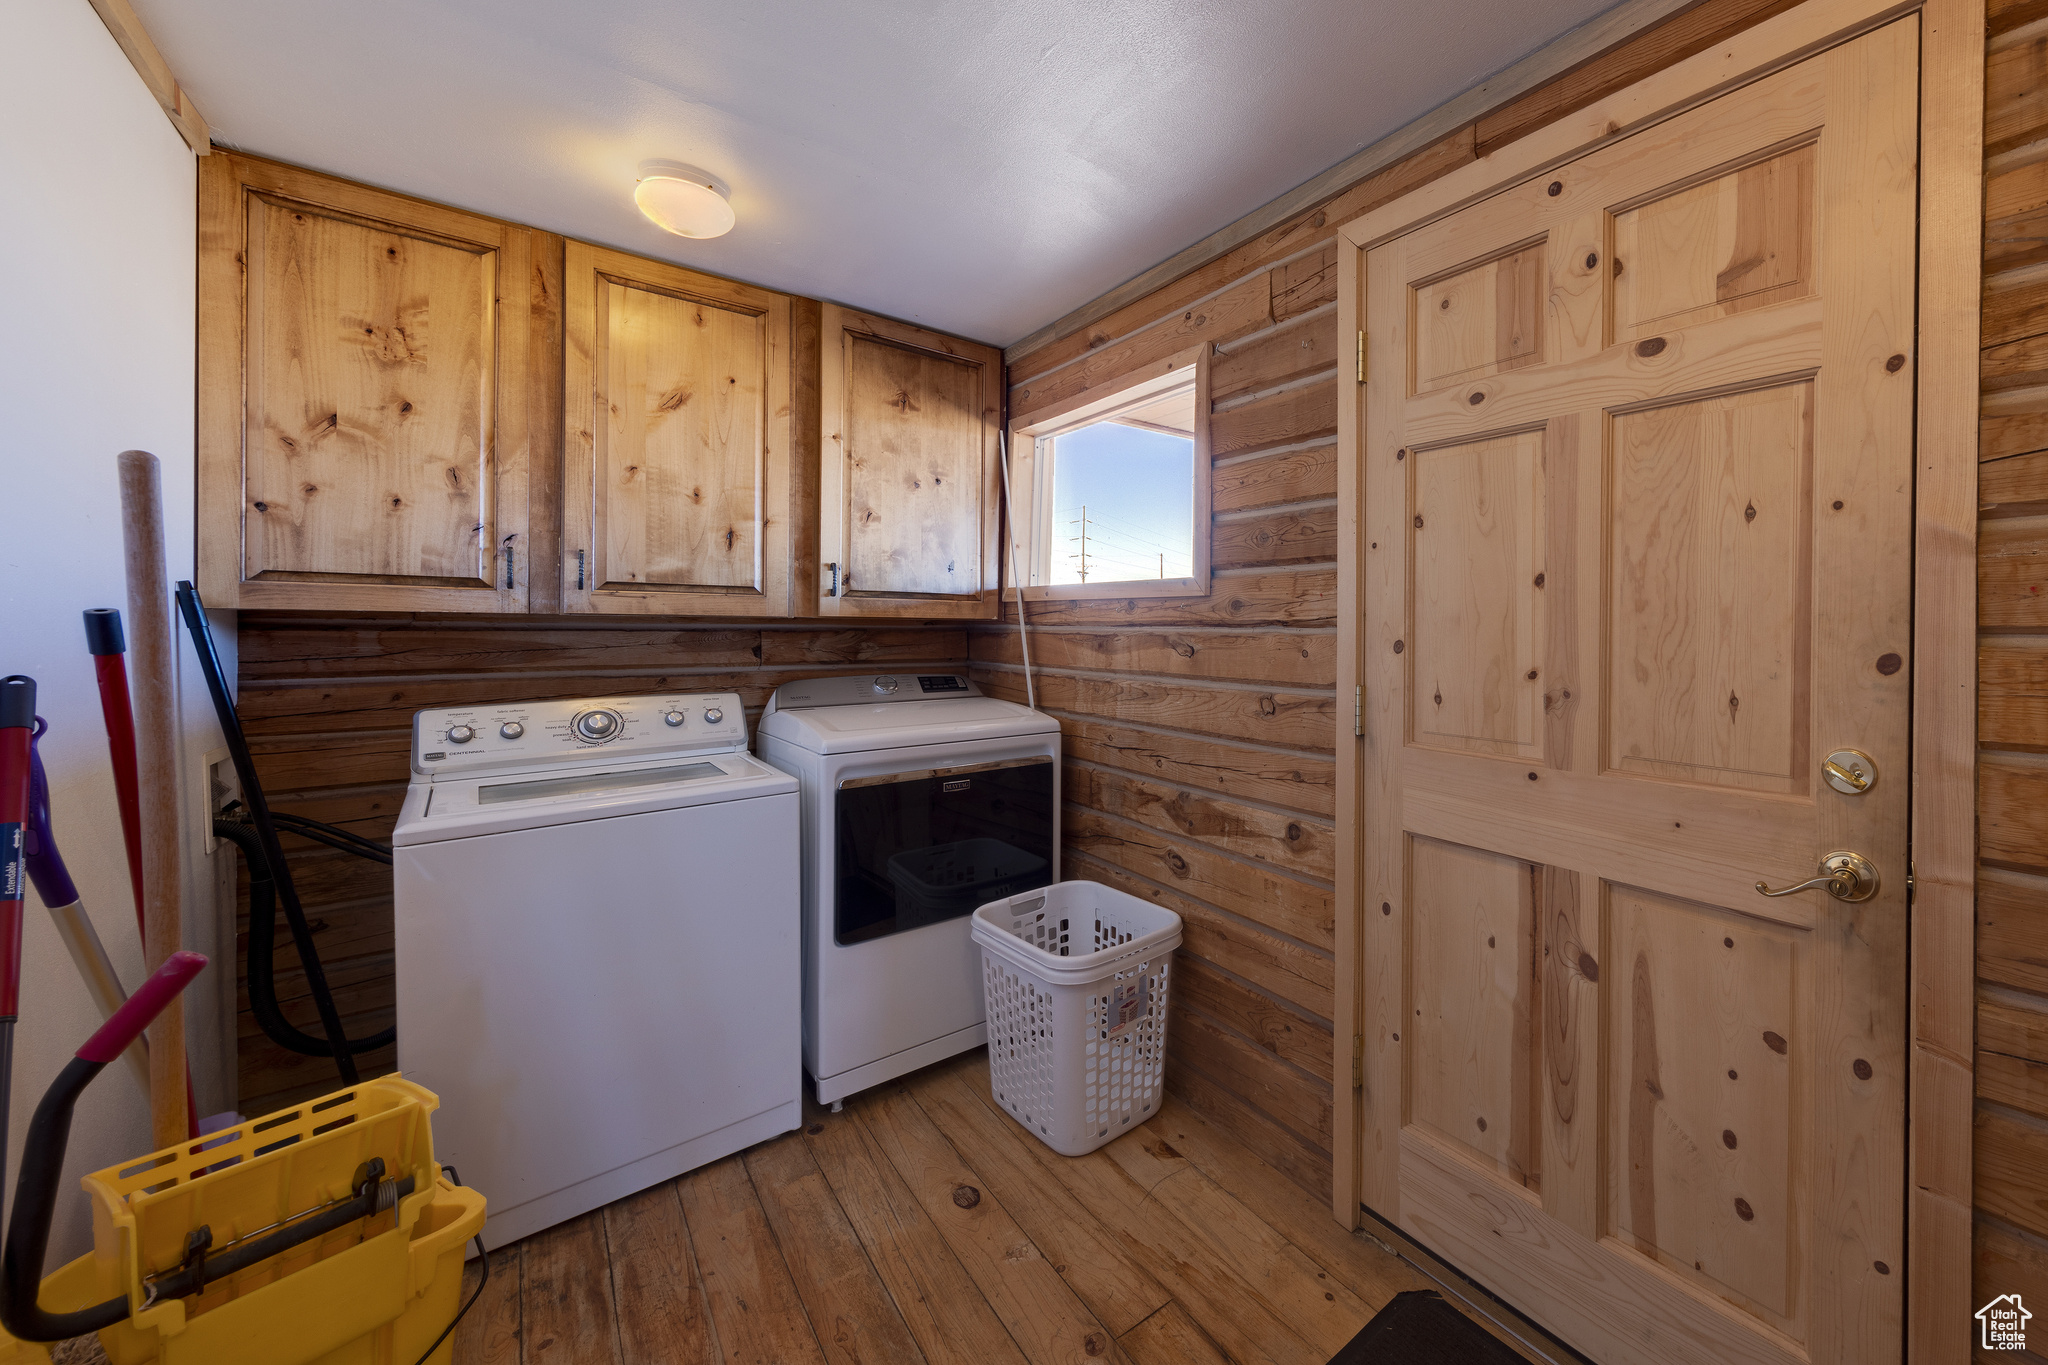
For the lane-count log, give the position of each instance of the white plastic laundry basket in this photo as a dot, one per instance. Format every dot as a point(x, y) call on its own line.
point(1076, 976)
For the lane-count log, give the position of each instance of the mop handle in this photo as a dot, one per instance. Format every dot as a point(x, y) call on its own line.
point(113, 1037)
point(17, 729)
point(108, 646)
point(60, 896)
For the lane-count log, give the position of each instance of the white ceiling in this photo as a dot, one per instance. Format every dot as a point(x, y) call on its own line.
point(979, 166)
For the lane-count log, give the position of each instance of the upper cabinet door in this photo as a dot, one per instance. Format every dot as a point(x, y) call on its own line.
point(363, 377)
point(676, 453)
point(909, 484)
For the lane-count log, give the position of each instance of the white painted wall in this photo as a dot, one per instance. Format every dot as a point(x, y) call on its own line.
point(97, 244)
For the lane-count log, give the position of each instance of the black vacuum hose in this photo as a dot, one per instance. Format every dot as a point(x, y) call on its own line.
point(262, 954)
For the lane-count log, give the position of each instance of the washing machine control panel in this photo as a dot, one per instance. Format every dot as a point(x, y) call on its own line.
point(514, 736)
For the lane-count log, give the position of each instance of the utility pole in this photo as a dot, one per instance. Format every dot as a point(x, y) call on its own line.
point(1083, 524)
point(1162, 563)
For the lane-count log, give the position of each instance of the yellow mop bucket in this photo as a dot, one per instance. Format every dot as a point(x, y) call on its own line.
point(322, 1233)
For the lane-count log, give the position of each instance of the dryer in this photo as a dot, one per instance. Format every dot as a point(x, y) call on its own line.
point(922, 800)
point(597, 946)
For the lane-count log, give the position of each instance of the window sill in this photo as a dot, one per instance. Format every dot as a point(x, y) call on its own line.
point(1128, 588)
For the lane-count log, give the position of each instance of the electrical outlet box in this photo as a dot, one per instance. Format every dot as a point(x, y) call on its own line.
point(221, 788)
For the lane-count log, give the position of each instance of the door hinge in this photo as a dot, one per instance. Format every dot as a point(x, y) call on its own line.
point(1358, 1061)
point(1358, 711)
point(1361, 356)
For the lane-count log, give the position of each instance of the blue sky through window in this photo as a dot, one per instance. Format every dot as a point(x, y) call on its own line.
point(1138, 488)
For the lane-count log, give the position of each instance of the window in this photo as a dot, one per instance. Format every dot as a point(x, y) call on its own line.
point(1113, 493)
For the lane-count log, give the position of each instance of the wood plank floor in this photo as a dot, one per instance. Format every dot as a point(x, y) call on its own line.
point(924, 1225)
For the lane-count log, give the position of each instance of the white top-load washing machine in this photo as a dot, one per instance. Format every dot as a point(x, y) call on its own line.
point(922, 801)
point(598, 946)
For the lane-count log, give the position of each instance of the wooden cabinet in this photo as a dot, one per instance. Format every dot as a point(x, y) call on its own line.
point(909, 485)
point(677, 440)
point(383, 384)
point(365, 367)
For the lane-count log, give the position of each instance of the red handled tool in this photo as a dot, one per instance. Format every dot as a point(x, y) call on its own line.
point(17, 734)
point(109, 649)
point(42, 1164)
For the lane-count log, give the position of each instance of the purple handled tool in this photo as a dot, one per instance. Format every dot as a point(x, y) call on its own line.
point(53, 883)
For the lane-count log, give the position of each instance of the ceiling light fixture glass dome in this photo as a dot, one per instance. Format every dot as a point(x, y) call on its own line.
point(684, 199)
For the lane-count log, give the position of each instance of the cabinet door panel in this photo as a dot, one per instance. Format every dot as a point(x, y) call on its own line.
point(362, 411)
point(910, 484)
point(677, 445)
point(913, 483)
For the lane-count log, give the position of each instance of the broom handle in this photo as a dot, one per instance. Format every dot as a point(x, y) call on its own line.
point(104, 640)
point(156, 731)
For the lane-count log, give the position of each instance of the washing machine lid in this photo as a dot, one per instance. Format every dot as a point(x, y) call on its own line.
point(893, 711)
point(463, 807)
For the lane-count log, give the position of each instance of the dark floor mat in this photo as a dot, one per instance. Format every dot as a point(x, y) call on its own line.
point(1420, 1328)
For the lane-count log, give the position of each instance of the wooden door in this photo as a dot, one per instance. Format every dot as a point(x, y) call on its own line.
point(909, 484)
point(676, 448)
point(364, 374)
point(1638, 475)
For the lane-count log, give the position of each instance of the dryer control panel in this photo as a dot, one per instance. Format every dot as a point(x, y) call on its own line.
point(515, 736)
point(868, 688)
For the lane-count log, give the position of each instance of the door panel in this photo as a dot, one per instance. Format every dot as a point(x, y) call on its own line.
point(364, 365)
point(1743, 239)
point(1633, 565)
point(683, 429)
point(913, 473)
point(908, 478)
point(1706, 1007)
point(1478, 523)
point(1709, 573)
point(676, 452)
point(1473, 978)
point(1483, 319)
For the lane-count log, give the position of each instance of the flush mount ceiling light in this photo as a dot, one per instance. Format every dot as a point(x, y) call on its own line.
point(684, 200)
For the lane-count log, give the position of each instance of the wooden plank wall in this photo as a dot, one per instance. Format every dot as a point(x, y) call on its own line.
point(2011, 1167)
point(1201, 732)
point(328, 705)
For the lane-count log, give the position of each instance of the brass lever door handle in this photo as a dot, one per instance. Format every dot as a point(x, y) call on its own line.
point(1845, 876)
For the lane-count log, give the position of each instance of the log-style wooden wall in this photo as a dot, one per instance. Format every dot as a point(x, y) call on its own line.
point(328, 705)
point(1201, 733)
point(2011, 1153)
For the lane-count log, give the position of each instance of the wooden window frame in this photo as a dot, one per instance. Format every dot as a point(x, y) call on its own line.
point(1942, 968)
point(1029, 476)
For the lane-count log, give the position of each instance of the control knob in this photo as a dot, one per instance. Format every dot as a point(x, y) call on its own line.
point(713, 715)
point(461, 734)
point(885, 685)
point(674, 718)
point(596, 726)
point(511, 729)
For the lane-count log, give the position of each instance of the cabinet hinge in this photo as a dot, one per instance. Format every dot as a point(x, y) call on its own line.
point(1358, 1061)
point(833, 591)
point(1361, 356)
point(1358, 711)
point(579, 569)
point(509, 582)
